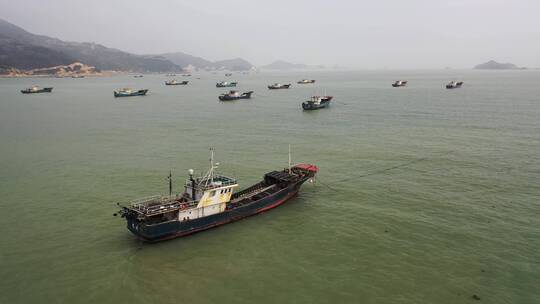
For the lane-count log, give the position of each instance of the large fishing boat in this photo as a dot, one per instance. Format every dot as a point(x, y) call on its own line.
point(454, 84)
point(399, 83)
point(36, 89)
point(224, 84)
point(234, 95)
point(317, 102)
point(277, 86)
point(127, 92)
point(209, 201)
point(175, 82)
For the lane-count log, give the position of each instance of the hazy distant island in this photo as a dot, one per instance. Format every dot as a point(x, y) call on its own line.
point(284, 65)
point(494, 65)
point(23, 53)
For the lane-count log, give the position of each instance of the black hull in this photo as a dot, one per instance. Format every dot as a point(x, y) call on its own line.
point(174, 229)
point(178, 83)
point(280, 87)
point(457, 86)
point(311, 106)
point(44, 90)
point(226, 86)
point(246, 95)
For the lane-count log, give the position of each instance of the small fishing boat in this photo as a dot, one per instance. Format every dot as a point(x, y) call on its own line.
point(138, 76)
point(127, 92)
point(186, 75)
point(77, 76)
point(277, 86)
point(399, 83)
point(228, 74)
point(317, 102)
point(234, 95)
point(36, 89)
point(454, 84)
point(225, 84)
point(210, 201)
point(175, 82)
point(306, 81)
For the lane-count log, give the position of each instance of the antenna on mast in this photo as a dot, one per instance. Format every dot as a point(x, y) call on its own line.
point(170, 183)
point(289, 167)
point(211, 165)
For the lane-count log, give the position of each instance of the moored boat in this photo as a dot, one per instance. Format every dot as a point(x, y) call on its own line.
point(399, 83)
point(234, 95)
point(228, 74)
point(454, 84)
point(36, 89)
point(209, 201)
point(175, 82)
point(138, 76)
point(317, 102)
point(224, 84)
point(277, 86)
point(306, 81)
point(127, 92)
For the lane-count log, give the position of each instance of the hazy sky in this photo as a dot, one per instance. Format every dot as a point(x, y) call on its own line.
point(362, 34)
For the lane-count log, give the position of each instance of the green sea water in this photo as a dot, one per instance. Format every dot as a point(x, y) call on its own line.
point(424, 195)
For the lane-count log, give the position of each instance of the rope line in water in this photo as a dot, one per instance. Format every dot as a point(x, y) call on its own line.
point(380, 171)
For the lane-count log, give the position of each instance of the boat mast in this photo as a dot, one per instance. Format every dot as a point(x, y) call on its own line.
point(289, 167)
point(170, 183)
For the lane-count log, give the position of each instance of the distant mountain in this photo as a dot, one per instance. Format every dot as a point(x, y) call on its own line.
point(185, 60)
point(284, 65)
point(493, 65)
point(22, 50)
point(189, 61)
point(237, 64)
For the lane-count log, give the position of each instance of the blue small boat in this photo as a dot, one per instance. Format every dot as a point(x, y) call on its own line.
point(126, 92)
point(225, 84)
point(317, 102)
